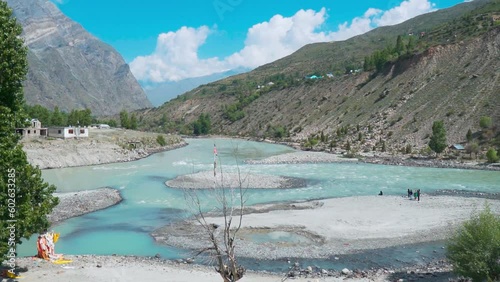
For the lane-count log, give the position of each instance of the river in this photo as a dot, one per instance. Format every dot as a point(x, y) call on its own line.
point(148, 203)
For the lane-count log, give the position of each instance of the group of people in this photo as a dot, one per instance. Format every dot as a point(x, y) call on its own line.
point(416, 194)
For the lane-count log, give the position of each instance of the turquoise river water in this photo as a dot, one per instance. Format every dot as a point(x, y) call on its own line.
point(148, 203)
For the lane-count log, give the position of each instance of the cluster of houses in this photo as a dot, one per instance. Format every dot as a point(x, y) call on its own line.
point(312, 77)
point(330, 75)
point(36, 130)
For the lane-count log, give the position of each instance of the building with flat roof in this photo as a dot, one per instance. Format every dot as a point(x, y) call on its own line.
point(68, 132)
point(34, 130)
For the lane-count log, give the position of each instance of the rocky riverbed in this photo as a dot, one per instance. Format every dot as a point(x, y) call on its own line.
point(428, 162)
point(303, 157)
point(85, 268)
point(384, 159)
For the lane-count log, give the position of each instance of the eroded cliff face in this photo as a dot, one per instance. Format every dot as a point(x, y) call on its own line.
point(69, 67)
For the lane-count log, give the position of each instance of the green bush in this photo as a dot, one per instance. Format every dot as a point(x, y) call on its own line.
point(474, 249)
point(202, 125)
point(492, 155)
point(485, 122)
point(161, 140)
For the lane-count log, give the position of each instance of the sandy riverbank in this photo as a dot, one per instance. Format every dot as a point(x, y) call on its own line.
point(78, 203)
point(338, 226)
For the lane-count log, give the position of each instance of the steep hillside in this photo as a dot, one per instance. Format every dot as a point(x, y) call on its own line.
point(70, 68)
point(337, 56)
point(452, 77)
point(163, 92)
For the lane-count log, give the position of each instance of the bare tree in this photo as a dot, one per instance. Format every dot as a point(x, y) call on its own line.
point(229, 204)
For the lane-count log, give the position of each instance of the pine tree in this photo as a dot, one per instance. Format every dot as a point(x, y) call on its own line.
point(400, 47)
point(57, 117)
point(25, 198)
point(85, 117)
point(73, 118)
point(164, 119)
point(469, 135)
point(124, 120)
point(410, 46)
point(438, 138)
point(133, 121)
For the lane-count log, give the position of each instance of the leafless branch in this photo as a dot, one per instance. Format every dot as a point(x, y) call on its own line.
point(228, 202)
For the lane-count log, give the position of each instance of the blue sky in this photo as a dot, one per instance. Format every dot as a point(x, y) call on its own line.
point(171, 40)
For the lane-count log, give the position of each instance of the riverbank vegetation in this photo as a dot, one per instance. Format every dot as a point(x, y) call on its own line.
point(26, 199)
point(474, 249)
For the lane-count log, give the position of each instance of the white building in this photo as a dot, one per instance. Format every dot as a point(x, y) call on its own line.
point(35, 130)
point(68, 132)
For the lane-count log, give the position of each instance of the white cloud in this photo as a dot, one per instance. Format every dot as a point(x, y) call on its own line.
point(406, 10)
point(359, 25)
point(373, 18)
point(176, 54)
point(176, 57)
point(280, 36)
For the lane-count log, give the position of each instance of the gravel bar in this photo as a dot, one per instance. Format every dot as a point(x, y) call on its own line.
point(303, 157)
point(78, 203)
point(207, 180)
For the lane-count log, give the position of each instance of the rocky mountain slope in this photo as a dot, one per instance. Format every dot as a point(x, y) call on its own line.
point(70, 68)
point(454, 78)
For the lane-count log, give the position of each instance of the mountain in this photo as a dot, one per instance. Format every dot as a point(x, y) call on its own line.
point(70, 68)
point(451, 73)
point(163, 92)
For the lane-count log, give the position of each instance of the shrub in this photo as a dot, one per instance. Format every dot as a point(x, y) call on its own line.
point(161, 140)
point(492, 155)
point(485, 122)
point(279, 132)
point(474, 249)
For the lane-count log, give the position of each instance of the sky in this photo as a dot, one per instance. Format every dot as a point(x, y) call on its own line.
point(166, 40)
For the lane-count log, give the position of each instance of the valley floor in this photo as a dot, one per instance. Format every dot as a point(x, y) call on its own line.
point(359, 223)
point(364, 223)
